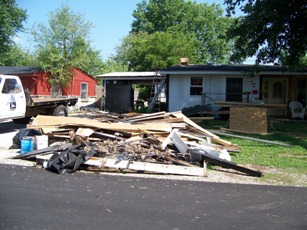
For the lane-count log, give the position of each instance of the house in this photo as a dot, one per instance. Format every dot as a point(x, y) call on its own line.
point(119, 90)
point(191, 85)
point(82, 85)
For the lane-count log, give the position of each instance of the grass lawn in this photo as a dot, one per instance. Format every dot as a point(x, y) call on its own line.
point(288, 162)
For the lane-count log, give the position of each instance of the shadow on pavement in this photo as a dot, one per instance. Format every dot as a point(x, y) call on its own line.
point(10, 126)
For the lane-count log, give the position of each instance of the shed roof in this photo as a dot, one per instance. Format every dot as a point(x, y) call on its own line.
point(16, 70)
point(129, 75)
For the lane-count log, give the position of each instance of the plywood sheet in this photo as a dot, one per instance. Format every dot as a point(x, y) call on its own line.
point(44, 121)
point(248, 119)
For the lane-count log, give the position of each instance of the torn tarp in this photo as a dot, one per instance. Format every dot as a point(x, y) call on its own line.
point(68, 161)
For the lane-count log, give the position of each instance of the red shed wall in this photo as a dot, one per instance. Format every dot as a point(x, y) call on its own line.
point(74, 89)
point(36, 83)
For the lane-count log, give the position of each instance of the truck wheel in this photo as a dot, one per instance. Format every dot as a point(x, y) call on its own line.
point(24, 120)
point(60, 111)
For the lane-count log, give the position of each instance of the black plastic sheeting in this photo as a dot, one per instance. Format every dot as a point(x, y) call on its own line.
point(69, 160)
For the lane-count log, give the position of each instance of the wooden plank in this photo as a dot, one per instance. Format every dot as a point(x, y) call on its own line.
point(69, 137)
point(139, 166)
point(232, 104)
point(106, 135)
point(193, 124)
point(145, 117)
point(228, 164)
point(168, 120)
point(46, 121)
point(84, 132)
point(156, 168)
point(215, 138)
point(201, 118)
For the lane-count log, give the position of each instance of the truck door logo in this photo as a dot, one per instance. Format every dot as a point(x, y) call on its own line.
point(12, 103)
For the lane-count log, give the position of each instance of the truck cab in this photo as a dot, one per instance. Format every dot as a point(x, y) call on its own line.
point(12, 98)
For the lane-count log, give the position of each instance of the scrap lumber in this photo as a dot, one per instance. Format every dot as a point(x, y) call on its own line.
point(104, 163)
point(168, 143)
point(45, 121)
point(227, 164)
point(199, 128)
point(151, 167)
point(44, 151)
point(144, 117)
point(106, 135)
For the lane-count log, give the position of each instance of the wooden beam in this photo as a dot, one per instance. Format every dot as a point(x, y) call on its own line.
point(228, 164)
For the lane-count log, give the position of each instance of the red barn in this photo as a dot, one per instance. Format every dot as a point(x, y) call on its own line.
point(82, 84)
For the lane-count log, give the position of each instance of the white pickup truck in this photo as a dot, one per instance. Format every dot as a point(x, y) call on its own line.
point(17, 104)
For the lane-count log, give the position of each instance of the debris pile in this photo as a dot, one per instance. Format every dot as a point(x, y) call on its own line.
point(166, 143)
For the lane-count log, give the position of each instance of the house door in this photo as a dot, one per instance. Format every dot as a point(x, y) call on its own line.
point(275, 92)
point(234, 89)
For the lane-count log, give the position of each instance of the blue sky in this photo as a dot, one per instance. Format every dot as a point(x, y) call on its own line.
point(111, 20)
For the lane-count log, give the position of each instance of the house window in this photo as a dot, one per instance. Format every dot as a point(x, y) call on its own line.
point(234, 89)
point(84, 91)
point(196, 86)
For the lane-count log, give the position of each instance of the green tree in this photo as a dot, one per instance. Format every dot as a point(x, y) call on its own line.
point(111, 65)
point(11, 19)
point(64, 44)
point(272, 30)
point(143, 52)
point(17, 56)
point(201, 27)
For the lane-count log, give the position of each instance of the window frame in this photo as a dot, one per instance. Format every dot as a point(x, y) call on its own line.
point(196, 89)
point(234, 89)
point(84, 91)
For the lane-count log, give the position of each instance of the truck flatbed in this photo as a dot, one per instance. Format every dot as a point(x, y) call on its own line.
point(53, 101)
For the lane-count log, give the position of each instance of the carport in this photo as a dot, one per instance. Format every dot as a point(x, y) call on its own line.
point(119, 95)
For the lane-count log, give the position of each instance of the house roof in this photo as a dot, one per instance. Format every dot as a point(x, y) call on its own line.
point(129, 76)
point(16, 70)
point(230, 69)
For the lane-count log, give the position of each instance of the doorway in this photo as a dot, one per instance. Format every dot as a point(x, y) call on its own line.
point(275, 92)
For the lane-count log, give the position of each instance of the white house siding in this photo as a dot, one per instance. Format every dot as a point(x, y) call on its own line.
point(179, 92)
point(214, 87)
point(252, 84)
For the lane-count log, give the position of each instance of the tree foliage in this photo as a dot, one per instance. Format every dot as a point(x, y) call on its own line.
point(111, 65)
point(272, 30)
point(11, 19)
point(17, 56)
point(165, 30)
point(64, 44)
point(143, 51)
